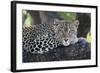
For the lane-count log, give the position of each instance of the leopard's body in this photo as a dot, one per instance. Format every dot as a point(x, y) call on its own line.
point(39, 39)
point(44, 37)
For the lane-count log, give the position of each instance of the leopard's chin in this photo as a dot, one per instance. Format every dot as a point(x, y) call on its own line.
point(66, 43)
point(69, 42)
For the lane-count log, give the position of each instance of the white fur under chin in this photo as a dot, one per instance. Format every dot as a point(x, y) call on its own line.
point(66, 43)
point(70, 42)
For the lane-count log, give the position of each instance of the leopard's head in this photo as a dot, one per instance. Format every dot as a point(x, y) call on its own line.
point(65, 32)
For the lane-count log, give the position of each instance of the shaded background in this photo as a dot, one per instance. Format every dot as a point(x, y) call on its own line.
point(45, 17)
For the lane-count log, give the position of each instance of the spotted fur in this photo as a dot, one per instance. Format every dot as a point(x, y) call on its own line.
point(45, 37)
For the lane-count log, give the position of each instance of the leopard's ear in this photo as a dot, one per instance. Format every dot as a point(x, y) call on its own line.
point(76, 23)
point(55, 21)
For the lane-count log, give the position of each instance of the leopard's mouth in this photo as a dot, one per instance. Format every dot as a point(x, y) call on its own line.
point(66, 42)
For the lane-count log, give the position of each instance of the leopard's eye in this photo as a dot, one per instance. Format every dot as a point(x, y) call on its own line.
point(53, 34)
point(72, 30)
point(55, 24)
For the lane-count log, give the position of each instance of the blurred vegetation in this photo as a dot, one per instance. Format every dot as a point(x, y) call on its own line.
point(88, 37)
point(68, 16)
point(28, 19)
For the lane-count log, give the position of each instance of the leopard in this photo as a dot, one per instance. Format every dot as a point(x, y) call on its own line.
point(66, 32)
point(45, 37)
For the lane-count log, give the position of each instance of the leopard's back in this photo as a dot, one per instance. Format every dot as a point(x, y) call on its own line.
point(39, 39)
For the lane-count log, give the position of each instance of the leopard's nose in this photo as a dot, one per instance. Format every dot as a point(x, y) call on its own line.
point(65, 40)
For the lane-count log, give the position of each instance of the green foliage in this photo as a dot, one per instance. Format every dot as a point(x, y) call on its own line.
point(88, 37)
point(28, 19)
point(68, 16)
